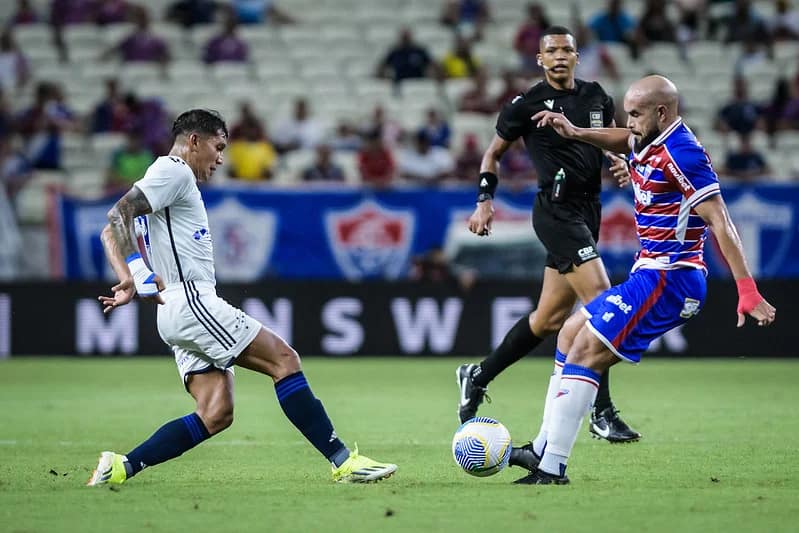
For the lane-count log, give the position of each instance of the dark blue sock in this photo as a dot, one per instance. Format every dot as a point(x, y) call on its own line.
point(170, 441)
point(308, 415)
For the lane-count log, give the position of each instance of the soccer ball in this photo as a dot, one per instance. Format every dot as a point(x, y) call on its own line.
point(481, 446)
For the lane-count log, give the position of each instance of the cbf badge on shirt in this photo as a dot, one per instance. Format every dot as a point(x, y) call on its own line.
point(595, 119)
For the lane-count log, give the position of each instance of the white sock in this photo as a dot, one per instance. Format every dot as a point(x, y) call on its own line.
point(540, 442)
point(578, 388)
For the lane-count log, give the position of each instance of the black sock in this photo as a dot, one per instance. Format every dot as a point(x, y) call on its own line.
point(518, 342)
point(603, 395)
point(170, 441)
point(308, 415)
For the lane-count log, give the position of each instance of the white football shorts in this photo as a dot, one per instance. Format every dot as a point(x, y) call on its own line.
point(203, 330)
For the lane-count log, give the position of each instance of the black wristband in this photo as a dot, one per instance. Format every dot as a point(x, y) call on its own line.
point(487, 186)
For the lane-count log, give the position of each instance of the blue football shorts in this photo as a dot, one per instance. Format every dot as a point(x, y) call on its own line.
point(628, 316)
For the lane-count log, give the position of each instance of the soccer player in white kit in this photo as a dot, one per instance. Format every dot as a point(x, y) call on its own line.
point(207, 335)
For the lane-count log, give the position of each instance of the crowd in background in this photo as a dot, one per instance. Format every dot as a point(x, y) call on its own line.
point(385, 151)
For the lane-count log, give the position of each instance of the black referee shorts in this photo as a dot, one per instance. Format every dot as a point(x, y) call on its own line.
point(569, 229)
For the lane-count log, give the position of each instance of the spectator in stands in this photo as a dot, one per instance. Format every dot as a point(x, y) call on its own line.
point(25, 14)
point(516, 167)
point(299, 131)
point(741, 115)
point(111, 12)
point(477, 99)
point(250, 155)
point(466, 17)
point(406, 60)
point(436, 129)
point(785, 24)
point(14, 70)
point(460, 62)
point(345, 138)
point(527, 39)
point(227, 46)
point(389, 129)
point(260, 12)
point(614, 25)
point(247, 119)
point(189, 13)
point(511, 87)
point(15, 169)
point(323, 168)
point(746, 26)
point(424, 163)
point(6, 117)
point(691, 14)
point(745, 163)
point(375, 162)
point(142, 44)
point(467, 162)
point(655, 26)
point(129, 162)
point(773, 111)
point(67, 12)
point(42, 124)
point(112, 113)
point(149, 117)
point(595, 60)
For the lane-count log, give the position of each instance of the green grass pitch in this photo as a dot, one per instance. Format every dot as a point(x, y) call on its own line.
point(719, 451)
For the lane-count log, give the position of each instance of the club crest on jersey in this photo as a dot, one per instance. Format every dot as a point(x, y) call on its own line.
point(595, 119)
point(644, 170)
point(370, 240)
point(690, 307)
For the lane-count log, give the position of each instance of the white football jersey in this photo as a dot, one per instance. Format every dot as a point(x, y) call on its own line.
point(176, 234)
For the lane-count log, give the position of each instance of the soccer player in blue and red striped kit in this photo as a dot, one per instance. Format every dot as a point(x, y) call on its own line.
point(677, 199)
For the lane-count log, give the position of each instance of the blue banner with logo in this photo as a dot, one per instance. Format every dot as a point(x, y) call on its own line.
point(374, 234)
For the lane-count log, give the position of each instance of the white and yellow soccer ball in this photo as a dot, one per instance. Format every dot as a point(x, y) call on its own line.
point(481, 446)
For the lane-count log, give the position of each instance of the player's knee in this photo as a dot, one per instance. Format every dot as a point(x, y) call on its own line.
point(546, 325)
point(217, 418)
point(287, 361)
point(586, 350)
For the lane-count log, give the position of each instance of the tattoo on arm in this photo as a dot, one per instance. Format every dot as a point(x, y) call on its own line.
point(121, 217)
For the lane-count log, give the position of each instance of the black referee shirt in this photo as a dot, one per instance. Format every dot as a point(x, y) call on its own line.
point(587, 105)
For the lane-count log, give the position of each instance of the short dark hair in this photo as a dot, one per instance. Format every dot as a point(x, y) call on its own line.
point(203, 121)
point(557, 30)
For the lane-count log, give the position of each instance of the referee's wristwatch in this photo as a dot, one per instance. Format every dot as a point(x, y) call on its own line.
point(483, 196)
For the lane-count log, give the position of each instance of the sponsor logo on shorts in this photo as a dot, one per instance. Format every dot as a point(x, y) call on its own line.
point(607, 317)
point(616, 300)
point(690, 307)
point(587, 253)
point(562, 392)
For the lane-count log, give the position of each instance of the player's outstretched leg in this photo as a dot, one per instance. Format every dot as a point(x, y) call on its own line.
point(605, 421)
point(529, 455)
point(170, 441)
point(271, 355)
point(213, 392)
point(473, 380)
point(579, 383)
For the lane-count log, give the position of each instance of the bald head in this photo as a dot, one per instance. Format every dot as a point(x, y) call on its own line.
point(655, 91)
point(652, 105)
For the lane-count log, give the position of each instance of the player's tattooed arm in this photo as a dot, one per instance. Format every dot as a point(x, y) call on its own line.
point(117, 236)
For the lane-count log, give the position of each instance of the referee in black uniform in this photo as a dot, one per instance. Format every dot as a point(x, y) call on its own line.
point(566, 218)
